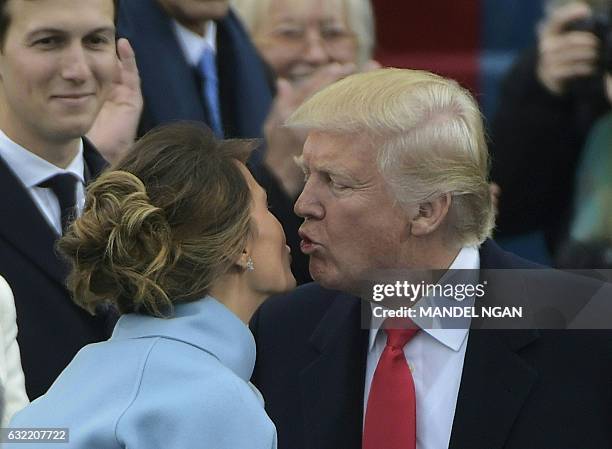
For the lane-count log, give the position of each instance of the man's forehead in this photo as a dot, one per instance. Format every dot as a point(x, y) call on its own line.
point(323, 148)
point(61, 13)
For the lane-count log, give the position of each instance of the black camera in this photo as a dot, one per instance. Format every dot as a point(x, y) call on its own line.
point(601, 26)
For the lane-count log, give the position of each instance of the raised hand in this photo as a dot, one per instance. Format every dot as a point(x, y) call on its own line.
point(564, 55)
point(116, 125)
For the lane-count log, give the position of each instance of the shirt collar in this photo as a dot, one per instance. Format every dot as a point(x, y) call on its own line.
point(206, 324)
point(467, 259)
point(32, 169)
point(193, 44)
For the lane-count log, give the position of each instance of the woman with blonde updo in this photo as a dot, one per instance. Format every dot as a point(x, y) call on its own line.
point(179, 239)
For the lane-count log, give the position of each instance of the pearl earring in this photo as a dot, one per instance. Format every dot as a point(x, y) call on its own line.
point(250, 266)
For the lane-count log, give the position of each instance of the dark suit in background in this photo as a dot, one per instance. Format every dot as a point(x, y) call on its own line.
point(51, 327)
point(170, 86)
point(522, 389)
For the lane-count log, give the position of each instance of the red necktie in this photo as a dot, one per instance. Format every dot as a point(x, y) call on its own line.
point(390, 421)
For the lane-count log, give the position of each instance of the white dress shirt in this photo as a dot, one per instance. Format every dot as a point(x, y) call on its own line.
point(193, 44)
point(435, 357)
point(31, 170)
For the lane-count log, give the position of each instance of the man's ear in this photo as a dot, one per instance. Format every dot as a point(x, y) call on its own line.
point(430, 215)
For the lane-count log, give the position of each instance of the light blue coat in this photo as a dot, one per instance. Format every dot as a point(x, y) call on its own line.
point(160, 383)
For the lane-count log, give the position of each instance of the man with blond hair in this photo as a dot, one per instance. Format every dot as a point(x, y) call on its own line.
point(396, 170)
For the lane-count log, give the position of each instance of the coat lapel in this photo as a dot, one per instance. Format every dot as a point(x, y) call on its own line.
point(496, 380)
point(332, 386)
point(24, 227)
point(494, 385)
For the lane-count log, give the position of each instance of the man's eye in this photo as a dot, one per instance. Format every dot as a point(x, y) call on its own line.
point(48, 41)
point(337, 186)
point(97, 41)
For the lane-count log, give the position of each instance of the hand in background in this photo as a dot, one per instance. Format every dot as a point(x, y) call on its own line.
point(116, 125)
point(564, 55)
point(284, 144)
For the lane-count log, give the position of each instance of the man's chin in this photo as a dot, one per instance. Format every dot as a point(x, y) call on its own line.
point(331, 281)
point(71, 130)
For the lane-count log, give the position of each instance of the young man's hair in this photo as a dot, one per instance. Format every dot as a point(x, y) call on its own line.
point(5, 18)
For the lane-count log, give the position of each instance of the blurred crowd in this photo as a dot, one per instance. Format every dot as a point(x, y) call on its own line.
point(73, 100)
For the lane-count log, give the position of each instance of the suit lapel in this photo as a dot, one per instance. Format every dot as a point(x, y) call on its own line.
point(24, 227)
point(332, 386)
point(94, 162)
point(496, 380)
point(243, 85)
point(494, 385)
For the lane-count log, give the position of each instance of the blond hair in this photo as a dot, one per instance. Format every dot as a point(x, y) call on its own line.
point(359, 17)
point(429, 134)
point(162, 225)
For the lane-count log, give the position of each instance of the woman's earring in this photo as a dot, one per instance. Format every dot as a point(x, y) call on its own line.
point(250, 265)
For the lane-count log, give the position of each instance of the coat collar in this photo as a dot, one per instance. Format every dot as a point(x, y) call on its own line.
point(206, 324)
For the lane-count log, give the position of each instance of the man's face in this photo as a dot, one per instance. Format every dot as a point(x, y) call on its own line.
point(296, 37)
point(57, 65)
point(195, 12)
point(352, 223)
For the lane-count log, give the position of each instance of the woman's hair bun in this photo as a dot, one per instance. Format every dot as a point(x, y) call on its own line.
point(134, 239)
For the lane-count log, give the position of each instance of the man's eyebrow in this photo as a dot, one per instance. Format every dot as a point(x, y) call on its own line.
point(334, 171)
point(52, 30)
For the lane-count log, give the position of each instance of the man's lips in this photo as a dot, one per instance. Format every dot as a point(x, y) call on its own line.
point(73, 98)
point(307, 245)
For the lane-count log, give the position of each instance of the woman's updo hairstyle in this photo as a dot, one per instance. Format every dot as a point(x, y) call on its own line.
point(164, 223)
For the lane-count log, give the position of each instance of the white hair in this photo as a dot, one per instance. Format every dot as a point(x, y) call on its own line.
point(430, 139)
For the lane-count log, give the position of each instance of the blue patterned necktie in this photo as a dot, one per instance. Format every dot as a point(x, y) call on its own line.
point(210, 83)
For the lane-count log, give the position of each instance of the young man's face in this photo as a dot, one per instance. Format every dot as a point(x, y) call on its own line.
point(57, 65)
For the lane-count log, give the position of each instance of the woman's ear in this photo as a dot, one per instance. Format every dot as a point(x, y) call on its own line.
point(243, 260)
point(430, 215)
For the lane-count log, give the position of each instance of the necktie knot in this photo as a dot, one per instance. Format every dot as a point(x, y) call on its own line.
point(399, 331)
point(64, 188)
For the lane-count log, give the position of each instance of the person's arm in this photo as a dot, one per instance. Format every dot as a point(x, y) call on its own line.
point(11, 373)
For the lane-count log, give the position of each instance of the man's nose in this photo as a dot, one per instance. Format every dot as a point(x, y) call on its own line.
point(75, 64)
point(308, 204)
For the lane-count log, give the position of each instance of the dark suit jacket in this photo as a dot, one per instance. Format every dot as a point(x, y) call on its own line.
point(521, 389)
point(51, 327)
point(170, 86)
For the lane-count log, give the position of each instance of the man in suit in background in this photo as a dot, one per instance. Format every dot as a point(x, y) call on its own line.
point(396, 170)
point(58, 68)
point(196, 63)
